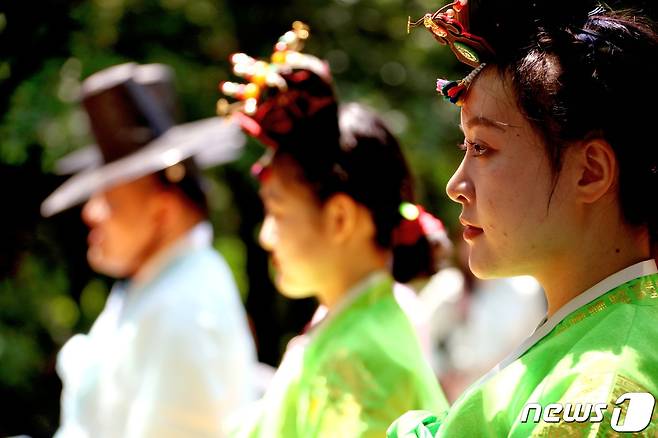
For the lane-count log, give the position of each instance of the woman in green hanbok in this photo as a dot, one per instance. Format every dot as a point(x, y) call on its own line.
point(558, 181)
point(339, 225)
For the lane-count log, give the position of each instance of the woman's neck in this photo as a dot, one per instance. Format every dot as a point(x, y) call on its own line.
point(350, 272)
point(590, 260)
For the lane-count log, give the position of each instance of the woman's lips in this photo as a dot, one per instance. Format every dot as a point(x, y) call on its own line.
point(471, 232)
point(94, 237)
point(275, 262)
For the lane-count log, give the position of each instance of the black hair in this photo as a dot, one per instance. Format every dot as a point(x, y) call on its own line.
point(353, 152)
point(581, 70)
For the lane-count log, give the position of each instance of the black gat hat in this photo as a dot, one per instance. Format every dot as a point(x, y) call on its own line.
point(132, 111)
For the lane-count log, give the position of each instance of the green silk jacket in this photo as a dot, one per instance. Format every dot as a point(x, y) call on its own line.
point(351, 375)
point(596, 348)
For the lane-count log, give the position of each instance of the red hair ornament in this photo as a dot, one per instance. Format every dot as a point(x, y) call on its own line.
point(415, 224)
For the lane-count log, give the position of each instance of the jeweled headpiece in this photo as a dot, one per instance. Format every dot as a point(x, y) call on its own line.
point(449, 26)
point(281, 94)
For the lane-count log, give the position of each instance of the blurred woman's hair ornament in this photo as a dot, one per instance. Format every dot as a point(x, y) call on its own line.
point(279, 94)
point(261, 75)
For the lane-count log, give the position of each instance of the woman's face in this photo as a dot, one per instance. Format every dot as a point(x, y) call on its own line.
point(513, 209)
point(294, 233)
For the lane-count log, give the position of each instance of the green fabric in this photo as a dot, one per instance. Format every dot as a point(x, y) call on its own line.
point(357, 371)
point(600, 351)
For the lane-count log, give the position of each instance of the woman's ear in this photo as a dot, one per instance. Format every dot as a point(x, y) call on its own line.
point(340, 217)
point(597, 170)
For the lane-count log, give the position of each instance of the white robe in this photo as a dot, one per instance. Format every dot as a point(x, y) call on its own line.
point(169, 356)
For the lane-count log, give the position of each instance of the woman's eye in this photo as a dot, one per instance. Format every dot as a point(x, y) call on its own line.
point(474, 149)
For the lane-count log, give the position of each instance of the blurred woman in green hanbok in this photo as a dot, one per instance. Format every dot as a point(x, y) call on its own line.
point(340, 225)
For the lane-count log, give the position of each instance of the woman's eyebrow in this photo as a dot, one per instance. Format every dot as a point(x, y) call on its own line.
point(485, 122)
point(269, 194)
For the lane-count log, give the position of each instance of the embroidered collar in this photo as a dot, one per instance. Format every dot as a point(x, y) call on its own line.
point(641, 269)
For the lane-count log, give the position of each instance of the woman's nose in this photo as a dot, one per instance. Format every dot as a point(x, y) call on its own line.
point(267, 235)
point(460, 188)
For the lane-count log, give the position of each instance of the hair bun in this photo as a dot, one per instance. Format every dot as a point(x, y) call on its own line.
point(516, 24)
point(308, 101)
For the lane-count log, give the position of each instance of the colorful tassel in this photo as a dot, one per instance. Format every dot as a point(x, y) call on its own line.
point(454, 90)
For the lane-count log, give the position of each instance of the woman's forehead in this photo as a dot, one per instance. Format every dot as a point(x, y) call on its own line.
point(283, 181)
point(491, 102)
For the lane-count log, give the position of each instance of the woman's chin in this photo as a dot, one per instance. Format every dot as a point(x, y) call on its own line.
point(290, 290)
point(481, 268)
point(489, 267)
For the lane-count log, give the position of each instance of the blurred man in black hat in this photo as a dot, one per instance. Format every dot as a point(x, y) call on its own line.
point(171, 353)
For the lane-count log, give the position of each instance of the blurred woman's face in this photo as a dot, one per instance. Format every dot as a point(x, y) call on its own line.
point(516, 221)
point(293, 232)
